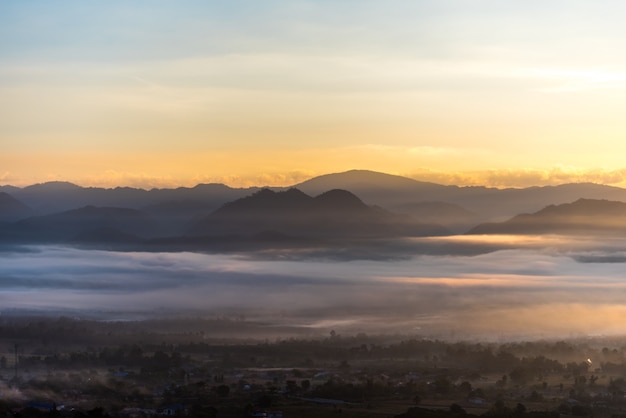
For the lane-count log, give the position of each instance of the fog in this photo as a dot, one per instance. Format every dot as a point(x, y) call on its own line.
point(523, 287)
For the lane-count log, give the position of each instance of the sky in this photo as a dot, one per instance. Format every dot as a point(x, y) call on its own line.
point(162, 93)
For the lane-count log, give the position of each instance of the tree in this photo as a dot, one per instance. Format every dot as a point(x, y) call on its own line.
point(465, 387)
point(456, 409)
point(222, 391)
point(535, 396)
point(520, 409)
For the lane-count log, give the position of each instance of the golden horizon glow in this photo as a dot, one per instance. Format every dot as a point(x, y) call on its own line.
point(274, 93)
point(111, 170)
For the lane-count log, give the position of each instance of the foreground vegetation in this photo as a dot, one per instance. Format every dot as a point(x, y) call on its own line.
point(206, 368)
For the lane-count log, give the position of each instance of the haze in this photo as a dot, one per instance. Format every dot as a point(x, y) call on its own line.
point(531, 292)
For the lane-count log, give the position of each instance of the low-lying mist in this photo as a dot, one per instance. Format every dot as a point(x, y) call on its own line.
point(513, 287)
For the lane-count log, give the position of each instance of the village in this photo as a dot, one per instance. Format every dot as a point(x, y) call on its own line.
point(105, 373)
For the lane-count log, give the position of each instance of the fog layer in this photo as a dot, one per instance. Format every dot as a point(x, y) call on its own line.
point(531, 291)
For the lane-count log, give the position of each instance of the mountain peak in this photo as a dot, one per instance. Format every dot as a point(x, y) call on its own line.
point(361, 177)
point(371, 186)
point(53, 186)
point(268, 200)
point(339, 199)
point(585, 207)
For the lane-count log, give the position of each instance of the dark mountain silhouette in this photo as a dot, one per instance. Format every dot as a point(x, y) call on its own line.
point(372, 187)
point(53, 197)
point(176, 216)
point(179, 211)
point(450, 215)
point(336, 213)
point(106, 234)
point(74, 224)
point(584, 216)
point(384, 190)
point(12, 209)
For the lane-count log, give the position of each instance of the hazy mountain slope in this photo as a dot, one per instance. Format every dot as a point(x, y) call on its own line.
point(12, 209)
point(494, 203)
point(372, 187)
point(52, 197)
point(336, 213)
point(105, 235)
point(450, 215)
point(584, 216)
point(68, 225)
point(487, 203)
point(176, 216)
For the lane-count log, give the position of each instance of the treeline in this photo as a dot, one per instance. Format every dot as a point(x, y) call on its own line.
point(159, 343)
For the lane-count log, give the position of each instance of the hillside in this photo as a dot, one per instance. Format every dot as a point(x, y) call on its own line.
point(584, 216)
point(85, 223)
point(54, 197)
point(450, 215)
point(487, 203)
point(336, 213)
point(178, 207)
point(12, 209)
point(373, 187)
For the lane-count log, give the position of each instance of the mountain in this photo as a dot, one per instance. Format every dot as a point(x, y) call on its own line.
point(372, 187)
point(336, 213)
point(80, 223)
point(106, 235)
point(450, 215)
point(584, 216)
point(181, 207)
point(176, 216)
point(393, 192)
point(53, 197)
point(12, 209)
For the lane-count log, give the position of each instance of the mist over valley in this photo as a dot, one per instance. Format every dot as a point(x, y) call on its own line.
point(394, 264)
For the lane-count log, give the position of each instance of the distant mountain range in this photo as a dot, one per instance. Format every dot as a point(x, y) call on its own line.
point(83, 224)
point(384, 190)
point(391, 191)
point(357, 204)
point(584, 216)
point(57, 196)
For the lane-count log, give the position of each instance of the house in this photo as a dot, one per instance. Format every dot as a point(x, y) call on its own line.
point(175, 409)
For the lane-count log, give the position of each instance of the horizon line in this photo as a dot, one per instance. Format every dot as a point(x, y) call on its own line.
point(617, 182)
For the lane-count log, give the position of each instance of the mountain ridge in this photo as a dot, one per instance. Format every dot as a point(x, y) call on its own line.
point(294, 213)
point(384, 190)
point(67, 225)
point(11, 208)
point(583, 216)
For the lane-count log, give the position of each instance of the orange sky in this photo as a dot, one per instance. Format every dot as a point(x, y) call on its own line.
point(162, 94)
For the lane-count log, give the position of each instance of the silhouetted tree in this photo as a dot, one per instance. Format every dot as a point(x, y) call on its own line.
point(222, 391)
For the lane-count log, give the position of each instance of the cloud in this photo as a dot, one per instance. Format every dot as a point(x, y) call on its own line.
point(5, 177)
point(579, 80)
point(499, 178)
point(532, 291)
point(112, 178)
point(257, 180)
point(522, 177)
